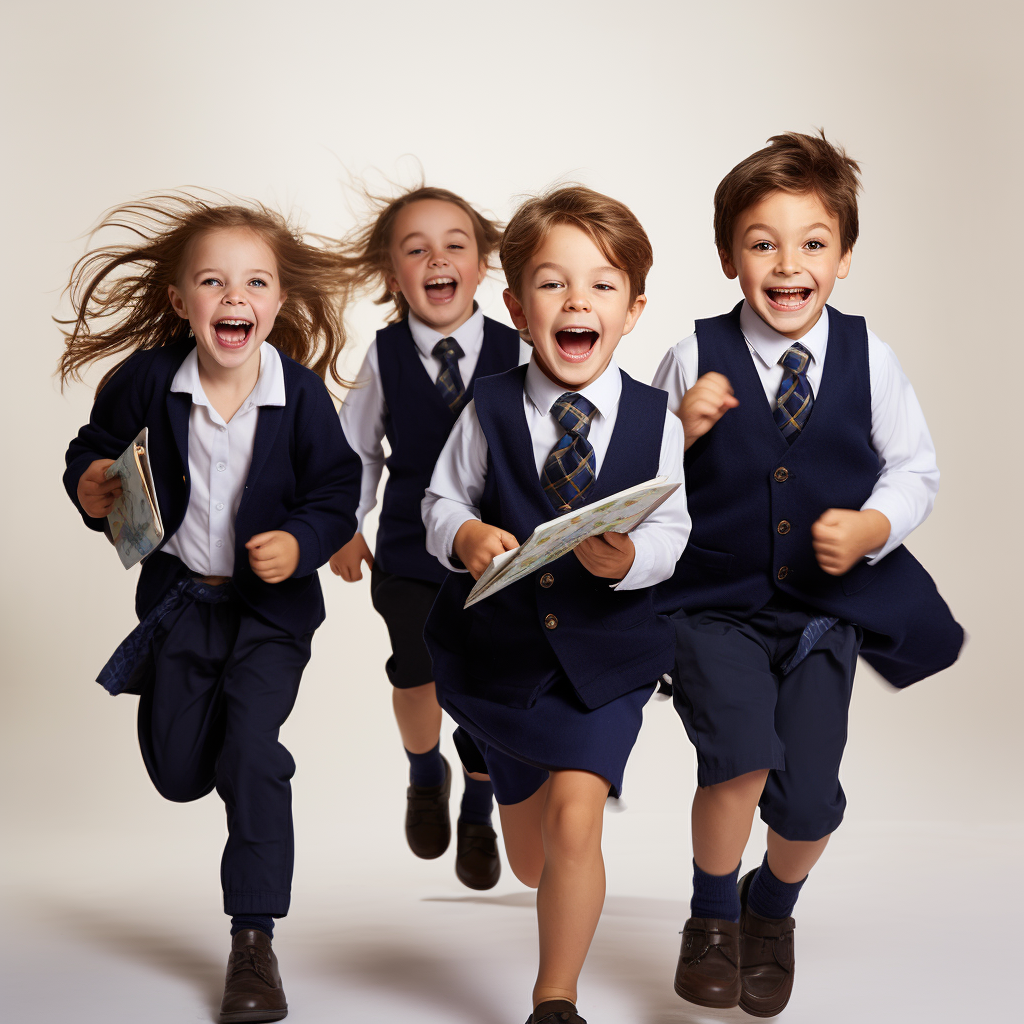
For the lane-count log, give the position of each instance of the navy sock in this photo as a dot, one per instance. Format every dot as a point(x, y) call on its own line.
point(769, 897)
point(476, 802)
point(264, 922)
point(426, 769)
point(715, 895)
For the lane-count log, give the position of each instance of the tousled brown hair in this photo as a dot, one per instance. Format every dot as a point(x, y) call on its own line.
point(366, 250)
point(795, 163)
point(611, 224)
point(119, 292)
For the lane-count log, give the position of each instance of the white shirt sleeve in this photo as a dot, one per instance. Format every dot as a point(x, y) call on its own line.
point(677, 372)
point(659, 540)
point(909, 476)
point(362, 419)
point(453, 497)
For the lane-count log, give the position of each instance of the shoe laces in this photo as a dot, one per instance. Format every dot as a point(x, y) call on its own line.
point(253, 959)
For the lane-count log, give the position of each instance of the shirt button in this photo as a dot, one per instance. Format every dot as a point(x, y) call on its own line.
point(784, 527)
point(550, 622)
point(781, 474)
point(547, 580)
point(220, 543)
point(220, 505)
point(221, 466)
point(783, 572)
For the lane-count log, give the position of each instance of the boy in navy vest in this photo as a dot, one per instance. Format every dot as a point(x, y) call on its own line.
point(804, 474)
point(548, 678)
point(430, 250)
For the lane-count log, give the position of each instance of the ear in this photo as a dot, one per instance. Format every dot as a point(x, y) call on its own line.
point(482, 272)
point(518, 316)
point(634, 313)
point(844, 265)
point(177, 301)
point(728, 267)
point(391, 282)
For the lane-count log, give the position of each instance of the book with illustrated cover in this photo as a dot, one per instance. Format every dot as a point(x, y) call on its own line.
point(618, 513)
point(135, 525)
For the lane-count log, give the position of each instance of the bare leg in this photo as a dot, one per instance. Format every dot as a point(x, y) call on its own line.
point(721, 820)
point(419, 717)
point(790, 861)
point(521, 829)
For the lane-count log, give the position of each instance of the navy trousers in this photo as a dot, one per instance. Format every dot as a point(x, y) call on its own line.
point(223, 682)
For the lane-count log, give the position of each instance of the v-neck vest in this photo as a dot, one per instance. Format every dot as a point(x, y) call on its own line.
point(560, 618)
point(417, 424)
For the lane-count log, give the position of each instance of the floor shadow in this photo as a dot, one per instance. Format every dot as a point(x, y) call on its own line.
point(527, 900)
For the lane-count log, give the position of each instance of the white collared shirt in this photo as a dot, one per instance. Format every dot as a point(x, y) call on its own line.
point(909, 477)
point(219, 455)
point(453, 497)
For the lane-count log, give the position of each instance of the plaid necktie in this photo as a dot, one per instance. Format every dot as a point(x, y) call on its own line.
point(795, 400)
point(449, 380)
point(571, 467)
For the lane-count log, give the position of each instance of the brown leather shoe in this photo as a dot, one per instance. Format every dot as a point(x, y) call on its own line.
point(555, 1011)
point(708, 973)
point(767, 956)
point(428, 828)
point(252, 990)
point(476, 860)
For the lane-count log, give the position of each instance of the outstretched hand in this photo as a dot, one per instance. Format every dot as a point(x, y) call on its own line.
point(273, 555)
point(96, 493)
point(703, 405)
point(609, 554)
point(476, 545)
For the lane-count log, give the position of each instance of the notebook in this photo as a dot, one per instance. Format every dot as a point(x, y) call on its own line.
point(135, 525)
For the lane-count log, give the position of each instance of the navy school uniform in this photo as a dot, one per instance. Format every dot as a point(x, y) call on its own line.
point(748, 583)
point(405, 578)
point(553, 671)
point(218, 667)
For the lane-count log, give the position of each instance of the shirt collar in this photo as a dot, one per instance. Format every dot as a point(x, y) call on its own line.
point(269, 389)
point(470, 335)
point(770, 346)
point(602, 393)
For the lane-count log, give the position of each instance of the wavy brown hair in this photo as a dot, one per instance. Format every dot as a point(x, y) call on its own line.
point(119, 292)
point(366, 250)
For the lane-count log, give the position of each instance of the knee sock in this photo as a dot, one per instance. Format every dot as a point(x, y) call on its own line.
point(426, 769)
point(476, 802)
point(264, 922)
point(715, 895)
point(768, 897)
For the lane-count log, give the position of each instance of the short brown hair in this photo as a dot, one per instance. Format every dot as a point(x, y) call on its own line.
point(794, 163)
point(366, 250)
point(611, 224)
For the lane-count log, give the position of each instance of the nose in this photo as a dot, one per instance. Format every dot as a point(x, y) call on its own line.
point(788, 262)
point(439, 259)
point(233, 295)
point(576, 302)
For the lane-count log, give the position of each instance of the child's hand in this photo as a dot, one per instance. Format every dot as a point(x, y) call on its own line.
point(843, 536)
point(273, 555)
point(476, 544)
point(610, 555)
point(95, 493)
point(345, 562)
point(704, 405)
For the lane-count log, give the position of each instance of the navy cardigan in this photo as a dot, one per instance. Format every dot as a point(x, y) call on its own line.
point(304, 478)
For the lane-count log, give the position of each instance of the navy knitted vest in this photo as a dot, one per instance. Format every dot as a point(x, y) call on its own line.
point(560, 618)
point(753, 498)
point(417, 425)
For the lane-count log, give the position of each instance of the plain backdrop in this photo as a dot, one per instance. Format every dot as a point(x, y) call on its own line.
point(650, 102)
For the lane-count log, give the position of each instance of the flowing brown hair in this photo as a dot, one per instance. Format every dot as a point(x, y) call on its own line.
point(366, 250)
point(127, 311)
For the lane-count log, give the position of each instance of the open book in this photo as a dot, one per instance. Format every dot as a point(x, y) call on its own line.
point(618, 513)
point(135, 525)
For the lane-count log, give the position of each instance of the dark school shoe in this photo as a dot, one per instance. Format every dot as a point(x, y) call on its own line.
point(477, 863)
point(555, 1011)
point(252, 989)
point(768, 958)
point(428, 828)
point(708, 972)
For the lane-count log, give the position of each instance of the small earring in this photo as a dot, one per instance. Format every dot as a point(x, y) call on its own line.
point(191, 333)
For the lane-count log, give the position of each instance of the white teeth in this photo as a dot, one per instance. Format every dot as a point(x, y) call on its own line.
point(234, 323)
point(579, 330)
point(441, 280)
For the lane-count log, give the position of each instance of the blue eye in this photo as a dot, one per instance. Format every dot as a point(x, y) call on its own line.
point(416, 252)
point(455, 246)
point(210, 280)
point(258, 281)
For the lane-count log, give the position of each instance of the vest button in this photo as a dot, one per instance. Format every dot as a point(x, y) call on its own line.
point(784, 526)
point(547, 580)
point(783, 571)
point(550, 622)
point(781, 475)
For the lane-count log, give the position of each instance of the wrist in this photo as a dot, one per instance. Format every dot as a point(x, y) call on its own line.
point(875, 530)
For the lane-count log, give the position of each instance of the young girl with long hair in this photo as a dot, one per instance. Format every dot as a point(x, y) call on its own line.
point(229, 320)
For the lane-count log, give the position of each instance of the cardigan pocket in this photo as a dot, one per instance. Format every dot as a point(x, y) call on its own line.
point(719, 561)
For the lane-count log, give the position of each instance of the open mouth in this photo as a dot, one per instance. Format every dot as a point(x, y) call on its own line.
point(440, 289)
point(576, 343)
point(788, 299)
point(232, 333)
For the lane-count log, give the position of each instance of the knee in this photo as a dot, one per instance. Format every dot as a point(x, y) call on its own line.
point(573, 829)
point(740, 792)
point(181, 786)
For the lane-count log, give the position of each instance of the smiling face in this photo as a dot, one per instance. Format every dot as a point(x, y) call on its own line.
point(435, 262)
point(575, 305)
point(787, 255)
point(230, 293)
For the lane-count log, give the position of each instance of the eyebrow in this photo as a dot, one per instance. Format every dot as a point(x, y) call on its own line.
point(597, 270)
point(415, 234)
point(804, 231)
point(214, 270)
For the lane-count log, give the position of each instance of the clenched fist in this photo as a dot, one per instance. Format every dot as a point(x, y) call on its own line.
point(273, 555)
point(843, 536)
point(705, 404)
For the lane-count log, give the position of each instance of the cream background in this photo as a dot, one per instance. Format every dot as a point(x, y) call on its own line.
point(652, 103)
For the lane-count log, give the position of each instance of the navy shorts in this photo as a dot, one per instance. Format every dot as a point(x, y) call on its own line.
point(404, 604)
point(743, 714)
